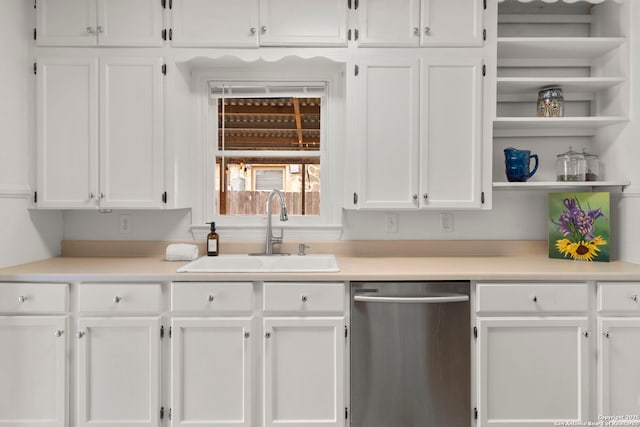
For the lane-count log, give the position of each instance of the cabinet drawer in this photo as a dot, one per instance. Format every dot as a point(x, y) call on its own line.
point(33, 297)
point(532, 297)
point(120, 298)
point(212, 297)
point(619, 297)
point(304, 297)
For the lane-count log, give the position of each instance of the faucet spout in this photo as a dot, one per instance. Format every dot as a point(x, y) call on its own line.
point(271, 239)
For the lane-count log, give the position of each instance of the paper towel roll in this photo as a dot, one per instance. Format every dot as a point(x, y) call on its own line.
point(181, 252)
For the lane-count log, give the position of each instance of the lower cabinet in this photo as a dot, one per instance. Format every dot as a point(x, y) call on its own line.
point(619, 349)
point(533, 349)
point(211, 371)
point(33, 371)
point(304, 371)
point(34, 355)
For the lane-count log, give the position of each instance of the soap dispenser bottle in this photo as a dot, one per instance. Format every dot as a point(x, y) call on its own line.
point(212, 241)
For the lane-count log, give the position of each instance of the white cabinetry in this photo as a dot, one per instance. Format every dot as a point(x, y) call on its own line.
point(415, 151)
point(99, 23)
point(33, 355)
point(304, 354)
point(619, 345)
point(532, 370)
point(253, 23)
point(581, 47)
point(212, 364)
point(389, 23)
point(106, 114)
point(118, 355)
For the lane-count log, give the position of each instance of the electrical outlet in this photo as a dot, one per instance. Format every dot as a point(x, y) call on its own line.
point(125, 223)
point(391, 223)
point(446, 222)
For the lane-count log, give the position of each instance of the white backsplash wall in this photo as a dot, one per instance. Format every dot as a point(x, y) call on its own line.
point(24, 235)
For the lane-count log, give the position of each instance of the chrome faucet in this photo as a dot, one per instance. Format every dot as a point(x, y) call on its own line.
point(271, 239)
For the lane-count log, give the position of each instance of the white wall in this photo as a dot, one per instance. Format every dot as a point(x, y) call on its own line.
point(24, 235)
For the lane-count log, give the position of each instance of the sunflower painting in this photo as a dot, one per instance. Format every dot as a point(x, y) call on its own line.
point(579, 226)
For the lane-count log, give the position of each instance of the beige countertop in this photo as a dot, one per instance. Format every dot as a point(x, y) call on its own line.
point(532, 266)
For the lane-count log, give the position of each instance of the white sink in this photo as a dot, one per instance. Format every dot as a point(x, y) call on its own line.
point(232, 263)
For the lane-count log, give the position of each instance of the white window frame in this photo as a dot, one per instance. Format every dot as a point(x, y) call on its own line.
point(327, 225)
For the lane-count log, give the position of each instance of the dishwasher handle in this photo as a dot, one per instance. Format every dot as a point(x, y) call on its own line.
point(412, 300)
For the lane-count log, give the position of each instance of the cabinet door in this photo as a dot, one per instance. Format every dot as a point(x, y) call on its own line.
point(211, 372)
point(33, 368)
point(389, 23)
point(215, 23)
point(389, 92)
point(532, 371)
point(118, 372)
point(451, 22)
point(67, 128)
point(304, 371)
point(129, 23)
point(451, 133)
point(66, 22)
point(131, 132)
point(303, 22)
point(618, 369)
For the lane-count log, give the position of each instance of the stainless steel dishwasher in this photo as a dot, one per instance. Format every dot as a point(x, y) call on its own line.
point(410, 354)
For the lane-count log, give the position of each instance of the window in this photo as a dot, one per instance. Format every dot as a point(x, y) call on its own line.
point(268, 137)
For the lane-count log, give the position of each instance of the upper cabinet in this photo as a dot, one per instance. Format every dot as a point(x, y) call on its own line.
point(99, 23)
point(253, 23)
point(414, 23)
point(106, 115)
point(420, 133)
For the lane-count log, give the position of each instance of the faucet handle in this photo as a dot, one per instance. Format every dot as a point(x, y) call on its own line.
point(301, 248)
point(278, 239)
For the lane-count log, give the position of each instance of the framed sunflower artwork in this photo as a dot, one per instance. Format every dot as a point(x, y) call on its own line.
point(579, 227)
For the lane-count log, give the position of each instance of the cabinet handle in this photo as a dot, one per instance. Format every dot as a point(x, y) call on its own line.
point(247, 335)
point(90, 30)
point(22, 299)
point(416, 31)
point(304, 298)
point(210, 298)
point(263, 28)
point(606, 334)
point(635, 298)
point(58, 333)
point(253, 30)
point(534, 299)
point(267, 335)
point(427, 30)
point(117, 299)
point(79, 334)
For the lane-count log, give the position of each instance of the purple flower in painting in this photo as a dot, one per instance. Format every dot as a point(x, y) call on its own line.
point(574, 221)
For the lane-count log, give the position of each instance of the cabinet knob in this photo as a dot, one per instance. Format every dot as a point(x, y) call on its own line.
point(267, 335)
point(606, 334)
point(79, 334)
point(117, 299)
point(415, 196)
point(91, 196)
point(90, 30)
point(210, 298)
point(253, 30)
point(534, 299)
point(101, 195)
point(263, 29)
point(100, 29)
point(247, 335)
point(22, 299)
point(427, 30)
point(635, 298)
point(58, 333)
point(425, 196)
point(304, 298)
point(586, 334)
point(416, 31)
